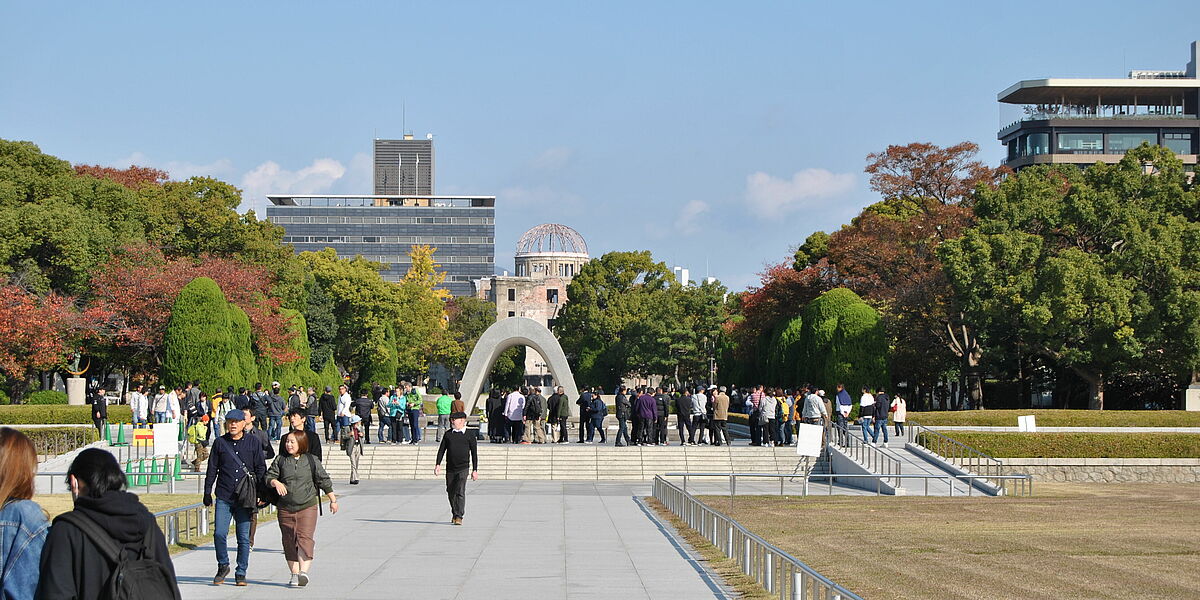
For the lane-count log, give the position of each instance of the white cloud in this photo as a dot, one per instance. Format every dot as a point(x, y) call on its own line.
point(771, 197)
point(178, 170)
point(553, 159)
point(270, 178)
point(687, 222)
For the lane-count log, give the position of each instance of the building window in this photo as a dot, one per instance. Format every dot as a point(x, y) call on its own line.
point(1179, 143)
point(512, 295)
point(552, 296)
point(1080, 143)
point(1120, 143)
point(1037, 143)
point(512, 313)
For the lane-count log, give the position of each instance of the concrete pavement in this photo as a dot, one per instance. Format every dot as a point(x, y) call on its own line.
point(545, 539)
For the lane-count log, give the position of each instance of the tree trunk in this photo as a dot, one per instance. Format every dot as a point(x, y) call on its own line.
point(1095, 381)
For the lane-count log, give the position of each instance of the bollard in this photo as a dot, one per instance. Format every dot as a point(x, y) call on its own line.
point(155, 473)
point(178, 476)
point(141, 472)
point(107, 437)
point(121, 435)
point(130, 480)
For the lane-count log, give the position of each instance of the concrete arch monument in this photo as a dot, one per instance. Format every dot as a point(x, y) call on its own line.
point(504, 334)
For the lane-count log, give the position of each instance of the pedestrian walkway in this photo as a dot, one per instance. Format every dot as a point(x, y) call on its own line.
point(520, 539)
point(912, 464)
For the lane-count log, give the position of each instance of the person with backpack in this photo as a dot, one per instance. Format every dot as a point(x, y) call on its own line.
point(23, 523)
point(235, 466)
point(109, 546)
point(298, 477)
point(535, 420)
point(352, 445)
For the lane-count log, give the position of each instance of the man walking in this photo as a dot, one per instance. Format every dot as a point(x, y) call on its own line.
point(99, 404)
point(461, 453)
point(514, 412)
point(234, 457)
point(535, 423)
point(275, 409)
point(843, 404)
point(883, 405)
point(296, 421)
point(624, 407)
point(866, 413)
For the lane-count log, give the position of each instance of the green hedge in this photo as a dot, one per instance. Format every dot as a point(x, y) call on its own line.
point(1081, 445)
point(54, 414)
point(46, 397)
point(1060, 418)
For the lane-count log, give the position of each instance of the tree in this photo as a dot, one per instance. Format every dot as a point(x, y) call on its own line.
point(420, 330)
point(1094, 270)
point(241, 365)
point(922, 170)
point(199, 338)
point(322, 324)
point(133, 177)
point(814, 248)
point(842, 341)
point(38, 333)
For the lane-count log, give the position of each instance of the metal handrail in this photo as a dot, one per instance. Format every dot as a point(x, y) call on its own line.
point(189, 522)
point(169, 481)
point(954, 451)
point(778, 572)
point(875, 460)
point(1026, 481)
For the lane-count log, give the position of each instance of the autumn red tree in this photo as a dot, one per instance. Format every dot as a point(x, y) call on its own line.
point(38, 333)
point(132, 178)
point(922, 170)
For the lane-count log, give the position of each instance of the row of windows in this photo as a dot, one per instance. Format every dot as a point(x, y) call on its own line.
point(551, 295)
point(1033, 144)
point(564, 269)
point(382, 220)
point(392, 259)
point(440, 240)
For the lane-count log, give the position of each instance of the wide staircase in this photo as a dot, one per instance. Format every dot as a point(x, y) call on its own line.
point(573, 461)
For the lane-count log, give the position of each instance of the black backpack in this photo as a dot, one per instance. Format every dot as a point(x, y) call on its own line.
point(131, 578)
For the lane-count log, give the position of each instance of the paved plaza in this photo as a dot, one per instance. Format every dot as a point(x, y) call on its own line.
point(520, 539)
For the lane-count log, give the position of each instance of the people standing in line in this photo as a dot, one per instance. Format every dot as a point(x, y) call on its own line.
point(415, 406)
point(899, 413)
point(662, 408)
point(461, 453)
point(221, 407)
point(299, 477)
point(813, 410)
point(235, 456)
point(560, 413)
point(296, 418)
point(258, 400)
point(191, 396)
point(683, 416)
point(327, 405)
point(107, 528)
point(276, 406)
point(352, 445)
point(883, 405)
point(99, 410)
point(754, 403)
point(535, 421)
point(23, 524)
point(344, 412)
point(585, 409)
point(443, 413)
point(362, 408)
point(866, 414)
point(597, 413)
point(624, 409)
point(720, 418)
point(514, 412)
point(139, 406)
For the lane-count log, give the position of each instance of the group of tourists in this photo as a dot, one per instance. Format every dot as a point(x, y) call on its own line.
point(773, 414)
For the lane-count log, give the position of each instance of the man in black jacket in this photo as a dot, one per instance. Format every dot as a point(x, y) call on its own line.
point(461, 453)
point(623, 410)
point(296, 419)
point(235, 455)
point(585, 411)
point(535, 423)
point(328, 407)
point(362, 407)
point(99, 410)
point(683, 415)
point(662, 406)
point(560, 413)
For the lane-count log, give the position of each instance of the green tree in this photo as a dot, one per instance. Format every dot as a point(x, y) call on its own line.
point(842, 341)
point(321, 321)
point(241, 365)
point(814, 248)
point(199, 337)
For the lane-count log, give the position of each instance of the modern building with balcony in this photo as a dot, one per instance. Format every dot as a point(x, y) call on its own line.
point(383, 228)
point(1084, 121)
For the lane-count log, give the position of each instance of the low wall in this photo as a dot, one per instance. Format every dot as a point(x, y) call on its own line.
point(1106, 470)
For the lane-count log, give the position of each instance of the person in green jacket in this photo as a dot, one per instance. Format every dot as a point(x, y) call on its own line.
point(443, 408)
point(413, 404)
point(299, 479)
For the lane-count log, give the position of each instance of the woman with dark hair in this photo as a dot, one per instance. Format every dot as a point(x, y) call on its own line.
point(108, 523)
point(299, 479)
point(23, 523)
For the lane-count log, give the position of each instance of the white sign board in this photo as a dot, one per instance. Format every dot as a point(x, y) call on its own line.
point(808, 439)
point(166, 439)
point(1027, 424)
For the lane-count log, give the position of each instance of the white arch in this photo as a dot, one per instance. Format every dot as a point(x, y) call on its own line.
point(504, 334)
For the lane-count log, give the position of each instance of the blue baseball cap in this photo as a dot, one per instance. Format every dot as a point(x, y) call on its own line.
point(235, 415)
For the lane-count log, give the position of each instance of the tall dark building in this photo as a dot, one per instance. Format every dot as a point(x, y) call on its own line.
point(1084, 121)
point(383, 228)
point(404, 167)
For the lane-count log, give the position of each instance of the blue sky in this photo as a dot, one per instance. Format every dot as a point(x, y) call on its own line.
point(716, 134)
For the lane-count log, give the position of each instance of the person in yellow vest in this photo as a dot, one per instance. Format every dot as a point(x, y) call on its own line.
point(197, 436)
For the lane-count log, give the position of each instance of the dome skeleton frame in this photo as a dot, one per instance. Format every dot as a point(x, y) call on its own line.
point(551, 238)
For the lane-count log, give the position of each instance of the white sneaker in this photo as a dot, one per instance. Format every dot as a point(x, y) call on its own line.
point(303, 579)
point(294, 581)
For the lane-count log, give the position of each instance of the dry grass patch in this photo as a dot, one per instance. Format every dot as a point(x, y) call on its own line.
point(1068, 541)
point(727, 568)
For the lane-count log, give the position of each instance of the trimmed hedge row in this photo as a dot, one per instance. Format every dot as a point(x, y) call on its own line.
point(46, 397)
point(1081, 445)
point(49, 414)
point(1060, 418)
point(59, 440)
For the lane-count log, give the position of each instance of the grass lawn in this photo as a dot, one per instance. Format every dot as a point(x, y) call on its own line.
point(1081, 445)
point(1068, 541)
point(1060, 418)
point(56, 504)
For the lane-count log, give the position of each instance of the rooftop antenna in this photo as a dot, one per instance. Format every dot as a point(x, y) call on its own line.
point(404, 117)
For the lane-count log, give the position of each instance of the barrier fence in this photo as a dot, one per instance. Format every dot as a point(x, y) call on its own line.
point(778, 572)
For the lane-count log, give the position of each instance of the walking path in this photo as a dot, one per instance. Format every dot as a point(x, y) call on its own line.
point(544, 539)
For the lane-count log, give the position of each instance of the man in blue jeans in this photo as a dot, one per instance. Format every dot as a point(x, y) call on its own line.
point(866, 413)
point(234, 456)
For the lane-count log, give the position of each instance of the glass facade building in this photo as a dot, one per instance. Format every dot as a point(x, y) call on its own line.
point(383, 228)
point(1084, 121)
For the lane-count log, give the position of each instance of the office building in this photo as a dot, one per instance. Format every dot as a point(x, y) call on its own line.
point(404, 167)
point(384, 228)
point(1084, 121)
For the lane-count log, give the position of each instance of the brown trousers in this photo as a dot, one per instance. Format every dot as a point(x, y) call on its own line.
point(297, 529)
